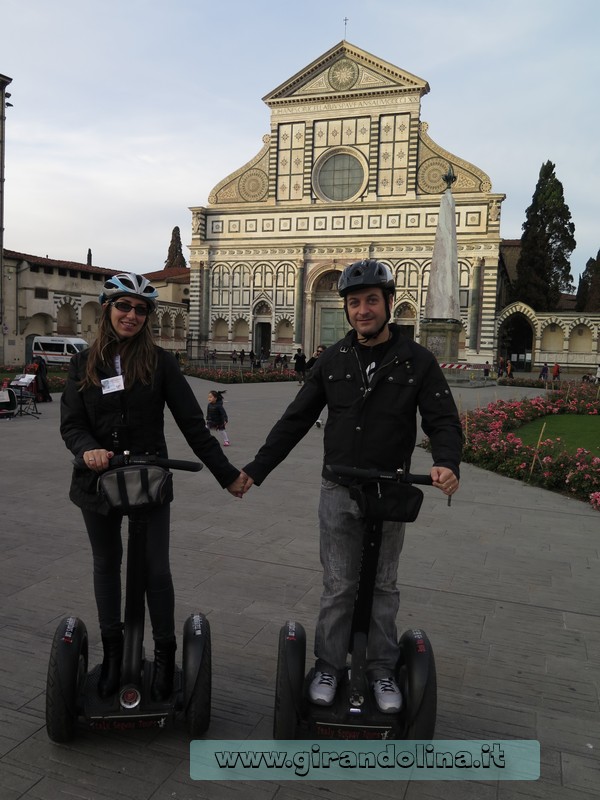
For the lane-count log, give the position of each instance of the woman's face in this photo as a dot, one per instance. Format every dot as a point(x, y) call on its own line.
point(211, 398)
point(128, 316)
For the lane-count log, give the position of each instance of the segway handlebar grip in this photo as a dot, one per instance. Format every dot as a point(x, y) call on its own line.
point(366, 475)
point(167, 463)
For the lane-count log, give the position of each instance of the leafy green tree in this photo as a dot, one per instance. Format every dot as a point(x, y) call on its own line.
point(543, 268)
point(175, 259)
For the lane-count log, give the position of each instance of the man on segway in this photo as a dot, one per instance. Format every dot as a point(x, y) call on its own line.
point(373, 382)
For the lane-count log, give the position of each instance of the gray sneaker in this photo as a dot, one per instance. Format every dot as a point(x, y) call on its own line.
point(387, 695)
point(322, 689)
point(318, 423)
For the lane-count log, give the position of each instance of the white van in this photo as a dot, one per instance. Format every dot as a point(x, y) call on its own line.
point(57, 349)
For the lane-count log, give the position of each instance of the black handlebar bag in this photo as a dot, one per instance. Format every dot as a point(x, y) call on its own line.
point(136, 487)
point(387, 502)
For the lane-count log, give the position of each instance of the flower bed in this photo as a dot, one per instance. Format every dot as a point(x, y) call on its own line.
point(238, 376)
point(490, 442)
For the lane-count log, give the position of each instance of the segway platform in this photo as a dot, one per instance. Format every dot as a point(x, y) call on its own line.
point(354, 715)
point(110, 714)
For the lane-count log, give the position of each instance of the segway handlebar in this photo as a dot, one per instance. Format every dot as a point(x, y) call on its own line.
point(126, 460)
point(367, 475)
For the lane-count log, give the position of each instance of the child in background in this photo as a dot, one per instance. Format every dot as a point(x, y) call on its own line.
point(216, 416)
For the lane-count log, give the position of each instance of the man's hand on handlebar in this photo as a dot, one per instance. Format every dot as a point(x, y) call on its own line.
point(97, 460)
point(443, 478)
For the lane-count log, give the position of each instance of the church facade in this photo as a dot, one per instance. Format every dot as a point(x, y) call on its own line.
point(348, 171)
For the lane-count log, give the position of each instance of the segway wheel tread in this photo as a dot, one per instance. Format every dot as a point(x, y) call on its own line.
point(67, 670)
point(291, 659)
point(197, 714)
point(419, 681)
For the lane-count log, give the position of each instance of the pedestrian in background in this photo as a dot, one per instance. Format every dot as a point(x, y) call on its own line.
point(216, 416)
point(300, 365)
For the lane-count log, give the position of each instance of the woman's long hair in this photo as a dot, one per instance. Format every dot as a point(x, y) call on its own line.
point(138, 353)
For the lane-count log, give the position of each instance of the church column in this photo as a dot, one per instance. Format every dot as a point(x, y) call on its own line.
point(205, 317)
point(299, 306)
point(475, 301)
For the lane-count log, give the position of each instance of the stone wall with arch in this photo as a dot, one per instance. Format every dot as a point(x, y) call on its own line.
point(220, 330)
point(241, 329)
point(284, 330)
point(67, 318)
point(568, 338)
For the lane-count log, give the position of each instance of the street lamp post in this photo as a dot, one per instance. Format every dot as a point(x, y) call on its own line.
point(4, 82)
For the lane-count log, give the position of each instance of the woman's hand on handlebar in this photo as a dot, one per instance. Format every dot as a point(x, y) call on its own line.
point(443, 478)
point(97, 460)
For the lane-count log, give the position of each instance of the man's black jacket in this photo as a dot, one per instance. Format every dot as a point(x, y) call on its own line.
point(369, 425)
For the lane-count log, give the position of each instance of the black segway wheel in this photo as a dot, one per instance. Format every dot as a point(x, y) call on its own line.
point(67, 670)
point(418, 683)
point(290, 680)
point(197, 674)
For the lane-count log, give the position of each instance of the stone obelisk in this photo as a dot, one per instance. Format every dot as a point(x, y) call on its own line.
point(441, 326)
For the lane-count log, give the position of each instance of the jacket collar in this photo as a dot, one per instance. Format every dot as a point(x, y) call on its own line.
point(400, 347)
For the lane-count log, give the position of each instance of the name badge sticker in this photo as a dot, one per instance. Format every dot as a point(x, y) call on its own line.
point(112, 384)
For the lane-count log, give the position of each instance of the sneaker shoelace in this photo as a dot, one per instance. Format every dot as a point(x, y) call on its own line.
point(387, 685)
point(326, 679)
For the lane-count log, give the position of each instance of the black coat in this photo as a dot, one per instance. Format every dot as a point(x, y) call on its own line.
point(216, 416)
point(369, 425)
point(89, 419)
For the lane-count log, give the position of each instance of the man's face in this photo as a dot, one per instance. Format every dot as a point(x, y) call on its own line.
point(367, 310)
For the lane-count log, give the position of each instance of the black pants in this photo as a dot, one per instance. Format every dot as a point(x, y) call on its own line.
point(107, 549)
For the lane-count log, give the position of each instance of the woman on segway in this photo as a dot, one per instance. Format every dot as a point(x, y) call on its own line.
point(114, 401)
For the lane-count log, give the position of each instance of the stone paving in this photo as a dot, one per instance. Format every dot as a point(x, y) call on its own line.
point(505, 582)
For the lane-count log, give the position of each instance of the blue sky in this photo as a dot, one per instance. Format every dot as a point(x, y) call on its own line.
point(127, 112)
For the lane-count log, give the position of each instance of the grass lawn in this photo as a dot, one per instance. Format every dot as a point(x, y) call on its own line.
point(574, 430)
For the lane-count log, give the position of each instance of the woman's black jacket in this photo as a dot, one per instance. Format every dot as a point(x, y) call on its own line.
point(91, 420)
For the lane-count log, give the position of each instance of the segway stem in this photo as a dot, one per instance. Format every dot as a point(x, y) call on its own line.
point(363, 606)
point(135, 605)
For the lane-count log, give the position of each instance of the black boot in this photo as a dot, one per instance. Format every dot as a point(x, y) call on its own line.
point(164, 669)
point(110, 671)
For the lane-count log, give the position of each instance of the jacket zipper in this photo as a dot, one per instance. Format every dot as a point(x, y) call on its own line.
point(365, 386)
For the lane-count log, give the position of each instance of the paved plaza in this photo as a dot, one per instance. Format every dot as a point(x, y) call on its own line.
point(505, 582)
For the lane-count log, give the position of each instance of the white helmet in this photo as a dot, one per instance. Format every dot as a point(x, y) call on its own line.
point(128, 283)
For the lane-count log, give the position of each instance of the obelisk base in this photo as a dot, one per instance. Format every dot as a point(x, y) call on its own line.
point(441, 337)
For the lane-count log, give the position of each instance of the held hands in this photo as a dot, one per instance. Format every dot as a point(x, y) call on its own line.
point(444, 479)
point(240, 485)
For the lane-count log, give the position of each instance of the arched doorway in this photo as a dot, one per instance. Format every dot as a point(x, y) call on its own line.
point(262, 329)
point(405, 317)
point(515, 342)
point(330, 319)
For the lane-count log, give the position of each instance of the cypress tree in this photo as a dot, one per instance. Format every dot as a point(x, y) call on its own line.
point(175, 257)
point(543, 268)
point(592, 277)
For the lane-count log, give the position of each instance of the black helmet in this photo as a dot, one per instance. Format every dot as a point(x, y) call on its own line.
point(367, 272)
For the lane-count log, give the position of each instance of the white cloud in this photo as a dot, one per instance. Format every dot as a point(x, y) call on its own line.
point(127, 113)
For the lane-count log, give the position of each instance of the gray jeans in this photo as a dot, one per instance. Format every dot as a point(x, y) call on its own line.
point(342, 529)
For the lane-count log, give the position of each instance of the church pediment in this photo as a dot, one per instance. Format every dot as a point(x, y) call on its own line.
point(433, 164)
point(346, 71)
